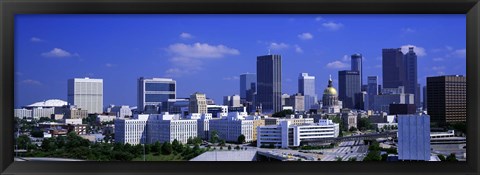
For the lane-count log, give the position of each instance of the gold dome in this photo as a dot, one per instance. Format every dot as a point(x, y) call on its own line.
point(330, 91)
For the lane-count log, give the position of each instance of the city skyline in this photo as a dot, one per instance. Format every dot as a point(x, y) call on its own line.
point(195, 55)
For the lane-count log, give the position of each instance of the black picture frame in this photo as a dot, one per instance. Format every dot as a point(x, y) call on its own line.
point(9, 8)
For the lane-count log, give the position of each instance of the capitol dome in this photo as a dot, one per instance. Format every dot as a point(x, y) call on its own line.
point(330, 90)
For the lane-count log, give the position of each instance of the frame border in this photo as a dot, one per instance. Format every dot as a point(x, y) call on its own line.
point(9, 8)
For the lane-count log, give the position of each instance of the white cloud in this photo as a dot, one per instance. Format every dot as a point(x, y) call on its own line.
point(32, 82)
point(305, 36)
point(278, 46)
point(332, 25)
point(438, 68)
point(35, 39)
point(187, 59)
point(110, 65)
point(462, 53)
point(441, 73)
point(58, 53)
point(449, 48)
point(232, 78)
point(438, 59)
point(318, 18)
point(185, 35)
point(345, 58)
point(337, 65)
point(298, 49)
point(408, 30)
point(420, 51)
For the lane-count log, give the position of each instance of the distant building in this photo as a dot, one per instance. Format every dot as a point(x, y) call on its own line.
point(424, 98)
point(349, 118)
point(402, 109)
point(330, 100)
point(391, 96)
point(411, 77)
point(121, 111)
point(131, 131)
point(168, 127)
point(229, 128)
point(414, 137)
point(297, 102)
point(71, 112)
point(447, 98)
point(233, 101)
point(22, 113)
point(293, 121)
point(248, 86)
point(393, 68)
point(357, 65)
point(198, 103)
point(306, 86)
point(348, 86)
point(372, 90)
point(269, 83)
point(153, 94)
point(86, 93)
point(361, 100)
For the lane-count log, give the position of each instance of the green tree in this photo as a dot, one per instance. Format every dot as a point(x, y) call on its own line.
point(177, 146)
point(241, 139)
point(237, 147)
point(373, 156)
point(283, 113)
point(222, 142)
point(352, 159)
point(157, 147)
point(364, 124)
point(23, 142)
point(167, 148)
point(441, 157)
point(451, 158)
point(352, 129)
point(229, 147)
point(214, 136)
point(38, 134)
point(339, 159)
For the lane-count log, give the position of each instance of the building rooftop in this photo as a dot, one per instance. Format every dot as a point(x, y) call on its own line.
point(49, 103)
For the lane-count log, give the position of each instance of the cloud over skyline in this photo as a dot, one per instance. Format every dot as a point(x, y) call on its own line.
point(57, 53)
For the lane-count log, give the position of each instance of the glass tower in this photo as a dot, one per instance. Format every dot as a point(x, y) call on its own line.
point(269, 83)
point(306, 86)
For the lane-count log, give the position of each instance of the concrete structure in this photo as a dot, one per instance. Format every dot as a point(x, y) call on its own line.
point(349, 118)
point(22, 113)
point(217, 111)
point(86, 93)
point(293, 121)
point(71, 112)
point(297, 102)
point(168, 127)
point(257, 123)
point(153, 94)
point(197, 104)
point(330, 99)
point(269, 83)
point(39, 112)
point(105, 118)
point(121, 111)
point(131, 131)
point(286, 134)
point(372, 90)
point(306, 86)
point(232, 101)
point(284, 99)
point(414, 137)
point(232, 126)
point(424, 98)
point(348, 86)
point(175, 105)
point(361, 101)
point(51, 103)
point(383, 101)
point(447, 98)
point(73, 121)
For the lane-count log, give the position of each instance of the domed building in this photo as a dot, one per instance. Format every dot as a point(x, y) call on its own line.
point(330, 99)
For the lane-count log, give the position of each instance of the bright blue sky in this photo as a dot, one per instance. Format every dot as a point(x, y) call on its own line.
point(207, 53)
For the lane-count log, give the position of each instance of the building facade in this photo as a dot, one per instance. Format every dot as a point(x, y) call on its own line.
point(348, 86)
point(86, 93)
point(297, 102)
point(131, 131)
point(231, 127)
point(372, 90)
point(306, 86)
point(269, 83)
point(447, 98)
point(393, 68)
point(153, 94)
point(248, 86)
point(168, 127)
point(414, 137)
point(197, 103)
point(330, 99)
point(357, 65)
point(411, 77)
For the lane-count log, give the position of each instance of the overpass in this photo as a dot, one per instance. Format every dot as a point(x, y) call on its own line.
point(317, 142)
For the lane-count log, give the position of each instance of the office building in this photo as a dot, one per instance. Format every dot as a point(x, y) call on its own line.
point(349, 118)
point(248, 86)
point(306, 86)
point(296, 101)
point(122, 111)
point(203, 126)
point(348, 86)
point(396, 109)
point(357, 65)
point(330, 103)
point(71, 112)
point(293, 121)
point(269, 83)
point(383, 101)
point(86, 93)
point(23, 113)
point(233, 101)
point(167, 127)
point(361, 101)
point(414, 137)
point(372, 90)
point(131, 131)
point(198, 103)
point(447, 99)
point(153, 94)
point(393, 68)
point(424, 98)
point(217, 111)
point(411, 75)
point(230, 127)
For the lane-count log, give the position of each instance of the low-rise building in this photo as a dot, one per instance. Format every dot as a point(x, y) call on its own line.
point(168, 127)
point(414, 137)
point(231, 127)
point(23, 113)
point(131, 131)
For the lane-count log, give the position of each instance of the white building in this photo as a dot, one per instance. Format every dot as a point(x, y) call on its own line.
point(168, 127)
point(414, 137)
point(132, 131)
point(218, 111)
point(105, 118)
point(86, 93)
point(203, 121)
point(154, 93)
point(22, 113)
point(120, 111)
point(287, 134)
point(39, 112)
point(73, 121)
point(197, 103)
point(232, 126)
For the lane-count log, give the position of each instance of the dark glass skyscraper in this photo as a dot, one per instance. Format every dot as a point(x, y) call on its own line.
point(372, 90)
point(246, 81)
point(411, 81)
point(348, 86)
point(357, 65)
point(269, 83)
point(393, 68)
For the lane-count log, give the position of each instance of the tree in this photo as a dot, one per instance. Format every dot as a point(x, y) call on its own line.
point(352, 129)
point(167, 148)
point(338, 159)
point(364, 124)
point(44, 119)
point(237, 147)
point(373, 156)
point(23, 141)
point(214, 136)
point(441, 157)
point(38, 134)
point(222, 142)
point(451, 158)
point(241, 139)
point(352, 159)
point(177, 146)
point(157, 147)
point(283, 113)
point(229, 147)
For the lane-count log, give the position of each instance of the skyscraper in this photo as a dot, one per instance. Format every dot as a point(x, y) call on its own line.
point(197, 103)
point(357, 65)
point(269, 83)
point(424, 97)
point(86, 93)
point(154, 93)
point(411, 81)
point(447, 99)
point(306, 86)
point(246, 81)
point(348, 86)
point(372, 90)
point(393, 68)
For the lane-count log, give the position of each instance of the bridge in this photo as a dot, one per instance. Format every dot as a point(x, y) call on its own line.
point(317, 142)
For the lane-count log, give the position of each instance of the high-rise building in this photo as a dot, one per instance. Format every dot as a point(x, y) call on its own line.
point(197, 104)
point(357, 65)
point(348, 86)
point(269, 83)
point(372, 90)
point(424, 98)
point(246, 88)
point(361, 100)
point(233, 101)
point(306, 86)
point(297, 102)
point(86, 93)
point(447, 99)
point(393, 68)
point(414, 137)
point(411, 81)
point(153, 94)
